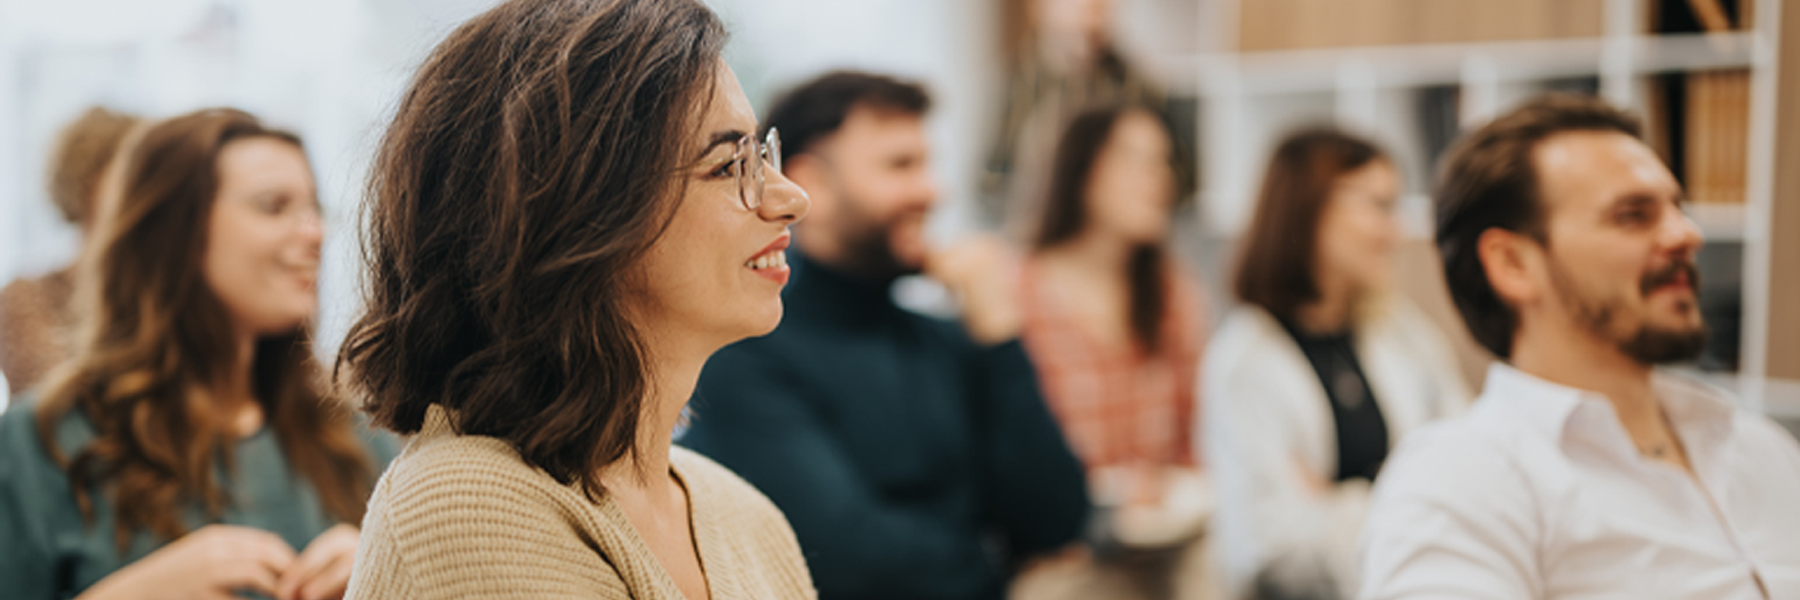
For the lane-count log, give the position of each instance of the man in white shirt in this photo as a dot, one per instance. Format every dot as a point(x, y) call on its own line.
point(1581, 472)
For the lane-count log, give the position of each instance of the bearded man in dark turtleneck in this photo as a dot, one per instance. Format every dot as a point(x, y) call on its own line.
point(914, 457)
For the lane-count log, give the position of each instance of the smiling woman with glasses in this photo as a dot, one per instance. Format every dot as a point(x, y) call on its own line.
point(542, 294)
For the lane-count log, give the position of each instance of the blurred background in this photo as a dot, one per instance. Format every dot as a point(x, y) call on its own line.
point(332, 70)
point(1716, 81)
point(1234, 75)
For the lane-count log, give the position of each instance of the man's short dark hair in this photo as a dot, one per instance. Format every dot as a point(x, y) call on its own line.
point(817, 108)
point(1489, 181)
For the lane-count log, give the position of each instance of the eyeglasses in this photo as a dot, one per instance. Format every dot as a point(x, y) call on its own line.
point(748, 163)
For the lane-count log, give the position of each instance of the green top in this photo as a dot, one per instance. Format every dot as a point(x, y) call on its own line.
point(48, 551)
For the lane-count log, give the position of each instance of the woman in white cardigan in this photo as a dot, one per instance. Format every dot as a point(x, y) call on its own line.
point(1292, 456)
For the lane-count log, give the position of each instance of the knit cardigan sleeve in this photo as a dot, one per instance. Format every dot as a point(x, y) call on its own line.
point(455, 519)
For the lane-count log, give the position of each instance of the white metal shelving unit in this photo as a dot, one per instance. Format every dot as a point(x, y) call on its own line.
point(1237, 90)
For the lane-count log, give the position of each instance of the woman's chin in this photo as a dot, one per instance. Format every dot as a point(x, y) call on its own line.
point(764, 322)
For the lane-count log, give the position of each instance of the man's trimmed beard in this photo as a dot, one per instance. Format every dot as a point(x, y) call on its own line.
point(1650, 344)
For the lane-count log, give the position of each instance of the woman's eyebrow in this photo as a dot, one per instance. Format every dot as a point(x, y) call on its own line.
point(719, 139)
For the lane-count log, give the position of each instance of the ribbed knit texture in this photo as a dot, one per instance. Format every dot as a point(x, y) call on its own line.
point(458, 516)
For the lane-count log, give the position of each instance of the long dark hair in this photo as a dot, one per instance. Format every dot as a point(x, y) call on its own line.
point(1276, 266)
point(158, 345)
point(532, 161)
point(1065, 213)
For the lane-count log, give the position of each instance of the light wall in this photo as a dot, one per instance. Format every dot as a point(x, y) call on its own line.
point(331, 70)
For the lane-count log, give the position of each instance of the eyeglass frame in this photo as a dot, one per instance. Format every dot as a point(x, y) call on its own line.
point(752, 159)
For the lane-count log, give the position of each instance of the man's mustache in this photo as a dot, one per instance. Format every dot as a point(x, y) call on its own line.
point(1668, 274)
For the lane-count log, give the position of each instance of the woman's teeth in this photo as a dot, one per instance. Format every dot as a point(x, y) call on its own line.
point(772, 260)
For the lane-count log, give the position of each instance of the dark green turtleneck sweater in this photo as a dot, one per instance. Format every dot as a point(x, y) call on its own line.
point(911, 462)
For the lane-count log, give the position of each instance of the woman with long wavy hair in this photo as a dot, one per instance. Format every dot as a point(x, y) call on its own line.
point(186, 449)
point(571, 211)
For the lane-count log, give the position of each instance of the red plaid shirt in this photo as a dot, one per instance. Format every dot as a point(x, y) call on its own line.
point(1117, 403)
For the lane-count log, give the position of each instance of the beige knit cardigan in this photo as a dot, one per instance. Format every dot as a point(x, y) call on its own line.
point(461, 516)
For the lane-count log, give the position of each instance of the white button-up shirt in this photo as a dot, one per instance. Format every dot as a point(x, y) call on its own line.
point(1538, 492)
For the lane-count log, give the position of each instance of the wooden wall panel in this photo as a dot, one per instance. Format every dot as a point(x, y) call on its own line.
point(1784, 224)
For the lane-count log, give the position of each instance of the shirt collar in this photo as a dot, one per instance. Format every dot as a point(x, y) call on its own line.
point(1691, 401)
point(1544, 405)
point(1549, 406)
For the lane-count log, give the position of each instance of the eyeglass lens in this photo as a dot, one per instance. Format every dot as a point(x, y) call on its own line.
point(757, 157)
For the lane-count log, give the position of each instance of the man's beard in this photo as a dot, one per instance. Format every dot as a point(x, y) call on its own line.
point(868, 243)
point(1650, 344)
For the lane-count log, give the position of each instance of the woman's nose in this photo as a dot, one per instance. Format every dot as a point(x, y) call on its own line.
point(783, 200)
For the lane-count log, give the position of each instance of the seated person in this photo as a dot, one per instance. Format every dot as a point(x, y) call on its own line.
point(1114, 327)
point(627, 223)
point(36, 316)
point(914, 458)
point(1319, 372)
point(186, 449)
point(1582, 471)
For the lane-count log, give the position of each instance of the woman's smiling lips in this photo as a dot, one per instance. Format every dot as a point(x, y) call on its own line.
point(771, 262)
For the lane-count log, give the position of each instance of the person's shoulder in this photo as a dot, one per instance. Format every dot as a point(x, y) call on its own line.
point(444, 455)
point(449, 494)
point(27, 468)
point(1247, 337)
point(21, 444)
point(20, 290)
point(19, 420)
point(1470, 435)
point(1246, 324)
point(467, 474)
point(465, 516)
point(22, 440)
point(1457, 497)
point(1471, 455)
point(1765, 437)
point(1761, 434)
point(48, 291)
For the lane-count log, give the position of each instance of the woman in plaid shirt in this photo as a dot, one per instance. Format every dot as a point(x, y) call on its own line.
point(1115, 330)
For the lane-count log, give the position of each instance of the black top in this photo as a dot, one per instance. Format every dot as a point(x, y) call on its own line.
point(1362, 434)
point(911, 462)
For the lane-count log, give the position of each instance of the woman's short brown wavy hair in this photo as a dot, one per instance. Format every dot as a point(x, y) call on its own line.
point(530, 164)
